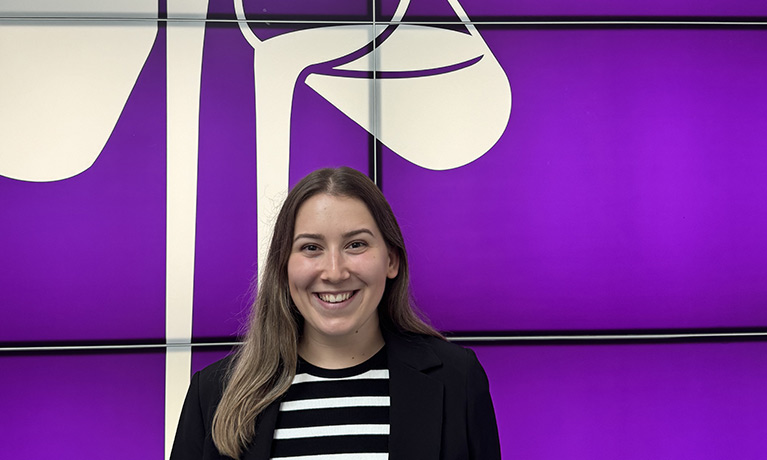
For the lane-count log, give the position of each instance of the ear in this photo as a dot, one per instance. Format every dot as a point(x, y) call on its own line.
point(393, 267)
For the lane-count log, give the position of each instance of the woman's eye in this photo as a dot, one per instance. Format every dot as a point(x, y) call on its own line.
point(357, 245)
point(310, 247)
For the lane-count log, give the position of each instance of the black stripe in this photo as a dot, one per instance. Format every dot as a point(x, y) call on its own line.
point(330, 445)
point(336, 416)
point(377, 361)
point(339, 388)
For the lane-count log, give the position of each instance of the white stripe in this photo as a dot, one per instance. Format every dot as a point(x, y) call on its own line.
point(178, 364)
point(371, 374)
point(332, 430)
point(324, 403)
point(360, 456)
point(184, 69)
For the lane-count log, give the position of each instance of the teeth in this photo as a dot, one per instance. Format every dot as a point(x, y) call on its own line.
point(335, 298)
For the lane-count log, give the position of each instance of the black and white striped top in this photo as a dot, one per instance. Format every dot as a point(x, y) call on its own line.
point(335, 414)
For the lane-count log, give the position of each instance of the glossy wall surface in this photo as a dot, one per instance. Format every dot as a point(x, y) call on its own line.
point(559, 169)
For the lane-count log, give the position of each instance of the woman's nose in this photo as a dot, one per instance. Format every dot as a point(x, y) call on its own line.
point(334, 267)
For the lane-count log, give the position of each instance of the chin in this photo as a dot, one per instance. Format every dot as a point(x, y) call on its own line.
point(339, 331)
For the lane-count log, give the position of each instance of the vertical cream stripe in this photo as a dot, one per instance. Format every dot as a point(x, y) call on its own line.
point(184, 68)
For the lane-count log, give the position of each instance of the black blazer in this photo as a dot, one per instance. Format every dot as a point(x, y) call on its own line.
point(440, 407)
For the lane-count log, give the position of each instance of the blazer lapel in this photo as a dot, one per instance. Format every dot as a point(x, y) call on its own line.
point(416, 399)
point(261, 447)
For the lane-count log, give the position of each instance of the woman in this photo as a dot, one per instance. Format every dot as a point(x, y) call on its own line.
point(335, 359)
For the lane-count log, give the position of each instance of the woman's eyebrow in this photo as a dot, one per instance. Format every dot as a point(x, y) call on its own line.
point(309, 236)
point(317, 236)
point(357, 232)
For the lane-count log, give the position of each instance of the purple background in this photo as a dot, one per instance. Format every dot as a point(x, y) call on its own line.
point(604, 402)
point(83, 405)
point(627, 192)
point(664, 401)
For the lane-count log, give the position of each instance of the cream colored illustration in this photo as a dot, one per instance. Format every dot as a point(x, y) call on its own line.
point(64, 82)
point(438, 120)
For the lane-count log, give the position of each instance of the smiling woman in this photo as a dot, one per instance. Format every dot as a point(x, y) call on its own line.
point(336, 363)
point(337, 273)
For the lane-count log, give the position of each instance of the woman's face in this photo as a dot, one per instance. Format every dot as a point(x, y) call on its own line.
point(338, 268)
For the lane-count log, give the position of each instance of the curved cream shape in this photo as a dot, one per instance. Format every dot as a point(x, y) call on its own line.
point(64, 84)
point(439, 121)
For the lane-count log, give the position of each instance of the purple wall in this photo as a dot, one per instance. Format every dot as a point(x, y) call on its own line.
point(627, 192)
point(664, 401)
point(661, 401)
point(72, 405)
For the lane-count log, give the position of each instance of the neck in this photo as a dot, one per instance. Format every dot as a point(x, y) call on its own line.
point(340, 352)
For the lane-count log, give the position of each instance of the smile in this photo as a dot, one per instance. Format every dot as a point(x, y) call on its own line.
point(337, 297)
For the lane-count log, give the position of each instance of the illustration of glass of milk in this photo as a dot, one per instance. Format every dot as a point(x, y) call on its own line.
point(437, 97)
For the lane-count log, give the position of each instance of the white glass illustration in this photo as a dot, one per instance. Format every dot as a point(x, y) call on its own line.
point(442, 101)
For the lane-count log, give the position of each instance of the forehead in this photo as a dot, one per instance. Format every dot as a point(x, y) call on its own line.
point(333, 213)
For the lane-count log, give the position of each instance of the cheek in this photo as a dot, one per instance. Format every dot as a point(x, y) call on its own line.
point(296, 274)
point(378, 273)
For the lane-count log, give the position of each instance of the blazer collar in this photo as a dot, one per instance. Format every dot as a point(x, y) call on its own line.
point(415, 415)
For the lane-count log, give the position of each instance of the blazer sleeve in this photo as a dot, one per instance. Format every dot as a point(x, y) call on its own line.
point(191, 432)
point(483, 430)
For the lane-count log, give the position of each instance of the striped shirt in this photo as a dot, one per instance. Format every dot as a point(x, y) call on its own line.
point(335, 414)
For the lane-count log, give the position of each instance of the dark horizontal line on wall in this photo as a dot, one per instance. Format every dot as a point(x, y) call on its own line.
point(610, 336)
point(499, 21)
point(472, 338)
point(604, 339)
point(109, 348)
point(757, 23)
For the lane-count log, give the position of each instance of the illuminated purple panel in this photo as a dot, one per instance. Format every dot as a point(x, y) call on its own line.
point(225, 254)
point(321, 136)
point(626, 192)
point(71, 406)
point(498, 9)
point(702, 401)
point(84, 258)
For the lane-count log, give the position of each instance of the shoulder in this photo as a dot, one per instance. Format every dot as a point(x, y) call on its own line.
point(446, 349)
point(456, 358)
point(449, 352)
point(193, 435)
point(216, 371)
point(425, 352)
point(210, 381)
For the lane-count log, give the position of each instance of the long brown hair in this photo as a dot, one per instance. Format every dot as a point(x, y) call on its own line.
point(264, 366)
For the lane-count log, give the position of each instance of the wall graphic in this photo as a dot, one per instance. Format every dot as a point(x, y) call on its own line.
point(145, 147)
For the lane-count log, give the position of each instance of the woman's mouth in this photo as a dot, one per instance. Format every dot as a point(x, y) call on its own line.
point(335, 297)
